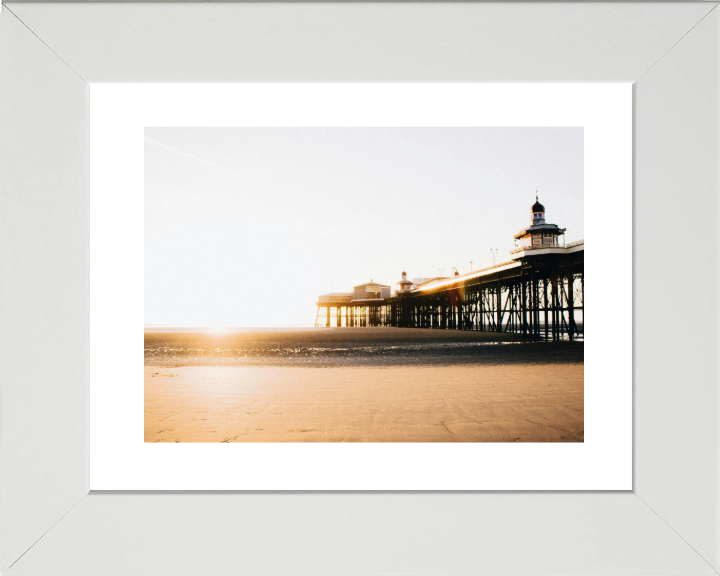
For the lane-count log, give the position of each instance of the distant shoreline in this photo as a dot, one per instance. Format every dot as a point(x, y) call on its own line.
point(306, 336)
point(322, 333)
point(205, 329)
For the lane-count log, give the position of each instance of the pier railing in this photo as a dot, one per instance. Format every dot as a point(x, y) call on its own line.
point(343, 298)
point(546, 246)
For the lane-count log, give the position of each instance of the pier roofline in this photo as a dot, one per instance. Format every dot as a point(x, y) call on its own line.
point(334, 298)
point(452, 281)
point(517, 256)
point(519, 260)
point(550, 228)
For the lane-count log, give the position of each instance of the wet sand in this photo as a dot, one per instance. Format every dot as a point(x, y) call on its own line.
point(329, 347)
point(479, 399)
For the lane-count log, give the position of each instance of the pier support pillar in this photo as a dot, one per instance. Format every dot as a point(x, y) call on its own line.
point(545, 294)
point(523, 309)
point(571, 311)
point(481, 310)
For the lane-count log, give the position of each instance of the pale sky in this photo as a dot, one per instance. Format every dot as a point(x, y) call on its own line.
point(248, 226)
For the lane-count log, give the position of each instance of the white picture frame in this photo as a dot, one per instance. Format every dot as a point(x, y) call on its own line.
point(49, 523)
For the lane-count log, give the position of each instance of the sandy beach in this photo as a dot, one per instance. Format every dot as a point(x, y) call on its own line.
point(503, 393)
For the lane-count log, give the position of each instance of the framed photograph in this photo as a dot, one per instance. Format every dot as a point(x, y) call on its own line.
point(250, 253)
point(242, 207)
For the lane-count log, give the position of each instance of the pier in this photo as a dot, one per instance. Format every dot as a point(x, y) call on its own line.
point(538, 293)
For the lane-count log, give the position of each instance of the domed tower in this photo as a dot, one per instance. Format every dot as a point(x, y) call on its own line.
point(404, 285)
point(538, 211)
point(539, 234)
